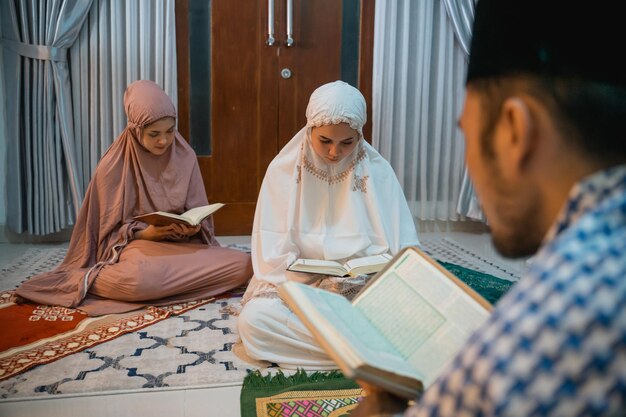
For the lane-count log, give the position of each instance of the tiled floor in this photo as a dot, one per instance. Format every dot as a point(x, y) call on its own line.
point(202, 401)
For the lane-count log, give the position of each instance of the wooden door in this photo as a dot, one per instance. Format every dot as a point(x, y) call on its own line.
point(259, 92)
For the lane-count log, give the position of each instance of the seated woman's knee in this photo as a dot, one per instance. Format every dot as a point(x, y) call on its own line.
point(245, 269)
point(254, 319)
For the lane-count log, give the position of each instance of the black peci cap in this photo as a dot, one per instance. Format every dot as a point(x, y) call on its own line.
point(573, 39)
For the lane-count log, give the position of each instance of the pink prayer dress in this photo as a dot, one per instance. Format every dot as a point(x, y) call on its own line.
point(106, 270)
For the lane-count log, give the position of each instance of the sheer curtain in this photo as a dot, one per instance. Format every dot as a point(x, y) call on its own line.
point(66, 66)
point(122, 41)
point(461, 14)
point(419, 74)
point(44, 187)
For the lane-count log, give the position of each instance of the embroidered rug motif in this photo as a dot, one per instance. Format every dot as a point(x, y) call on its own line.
point(35, 334)
point(320, 403)
point(316, 394)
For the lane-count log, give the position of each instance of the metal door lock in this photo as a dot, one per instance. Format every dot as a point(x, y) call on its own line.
point(285, 73)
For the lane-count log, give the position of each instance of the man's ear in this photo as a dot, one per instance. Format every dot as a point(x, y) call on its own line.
point(517, 140)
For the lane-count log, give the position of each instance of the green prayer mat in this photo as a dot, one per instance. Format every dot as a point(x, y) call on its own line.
point(316, 394)
point(331, 394)
point(490, 287)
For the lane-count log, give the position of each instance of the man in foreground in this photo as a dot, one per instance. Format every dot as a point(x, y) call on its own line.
point(543, 122)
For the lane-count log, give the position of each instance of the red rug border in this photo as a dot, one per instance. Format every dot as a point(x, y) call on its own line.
point(160, 313)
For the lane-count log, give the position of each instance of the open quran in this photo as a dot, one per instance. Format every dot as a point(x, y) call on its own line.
point(191, 217)
point(406, 324)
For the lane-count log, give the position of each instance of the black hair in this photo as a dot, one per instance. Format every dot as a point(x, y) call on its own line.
point(591, 115)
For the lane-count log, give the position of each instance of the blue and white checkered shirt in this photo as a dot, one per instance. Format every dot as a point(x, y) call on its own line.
point(556, 343)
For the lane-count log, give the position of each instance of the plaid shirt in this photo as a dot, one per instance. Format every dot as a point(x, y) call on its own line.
point(556, 343)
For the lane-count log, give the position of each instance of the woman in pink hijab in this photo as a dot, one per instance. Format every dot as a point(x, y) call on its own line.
point(116, 264)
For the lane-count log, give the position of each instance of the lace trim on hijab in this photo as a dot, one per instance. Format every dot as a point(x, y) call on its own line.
point(333, 179)
point(325, 120)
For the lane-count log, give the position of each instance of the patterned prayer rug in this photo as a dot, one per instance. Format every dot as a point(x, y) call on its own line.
point(486, 261)
point(34, 261)
point(331, 394)
point(317, 394)
point(158, 348)
point(194, 348)
point(35, 334)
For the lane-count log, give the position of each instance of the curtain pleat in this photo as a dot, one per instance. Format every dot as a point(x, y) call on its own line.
point(418, 78)
point(461, 14)
point(121, 42)
point(63, 113)
point(43, 182)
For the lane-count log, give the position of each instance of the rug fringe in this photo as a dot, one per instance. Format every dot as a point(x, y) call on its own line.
point(256, 379)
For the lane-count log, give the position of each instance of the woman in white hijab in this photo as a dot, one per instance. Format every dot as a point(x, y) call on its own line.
point(327, 195)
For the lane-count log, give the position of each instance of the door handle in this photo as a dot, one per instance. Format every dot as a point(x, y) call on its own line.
point(270, 23)
point(289, 40)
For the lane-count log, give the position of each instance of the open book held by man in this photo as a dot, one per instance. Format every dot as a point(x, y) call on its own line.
point(191, 217)
point(400, 331)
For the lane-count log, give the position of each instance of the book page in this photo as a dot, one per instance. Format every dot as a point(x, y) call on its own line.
point(355, 328)
point(318, 266)
point(195, 215)
point(318, 263)
point(166, 214)
point(161, 218)
point(368, 260)
point(423, 313)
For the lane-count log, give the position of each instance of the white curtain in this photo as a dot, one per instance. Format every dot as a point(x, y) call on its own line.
point(461, 14)
point(43, 182)
point(65, 109)
point(418, 87)
point(122, 41)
